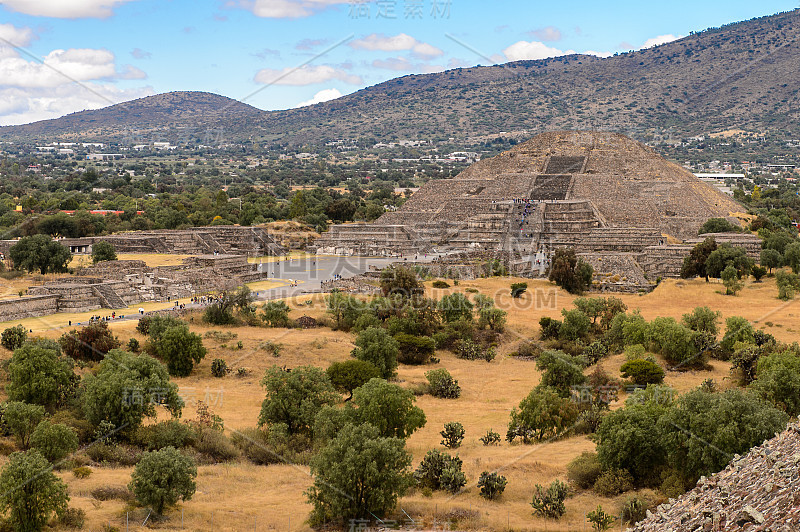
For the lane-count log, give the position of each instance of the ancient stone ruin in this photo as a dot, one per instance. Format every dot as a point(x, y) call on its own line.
point(612, 199)
point(759, 491)
point(224, 239)
point(121, 283)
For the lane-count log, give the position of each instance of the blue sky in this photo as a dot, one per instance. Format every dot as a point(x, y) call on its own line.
point(70, 55)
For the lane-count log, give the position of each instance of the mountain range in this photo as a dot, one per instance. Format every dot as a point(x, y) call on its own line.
point(744, 75)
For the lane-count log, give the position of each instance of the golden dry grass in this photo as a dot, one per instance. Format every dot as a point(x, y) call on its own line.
point(240, 493)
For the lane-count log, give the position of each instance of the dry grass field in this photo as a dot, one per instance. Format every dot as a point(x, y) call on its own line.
point(242, 496)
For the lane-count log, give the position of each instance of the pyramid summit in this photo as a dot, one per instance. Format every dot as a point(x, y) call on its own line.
point(597, 192)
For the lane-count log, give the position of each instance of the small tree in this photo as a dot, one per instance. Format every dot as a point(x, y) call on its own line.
point(771, 259)
point(359, 474)
point(694, 265)
point(413, 349)
point(641, 371)
point(517, 289)
point(600, 520)
point(294, 397)
point(13, 337)
point(440, 471)
point(30, 492)
point(39, 375)
point(402, 281)
point(730, 278)
point(442, 384)
point(454, 307)
point(22, 419)
point(39, 253)
point(54, 440)
point(180, 349)
point(549, 502)
point(492, 317)
point(452, 435)
point(103, 251)
point(219, 368)
point(542, 414)
point(127, 388)
point(702, 319)
point(492, 485)
point(162, 478)
point(388, 407)
point(779, 381)
point(566, 272)
point(791, 256)
point(89, 343)
point(758, 272)
point(348, 375)
point(374, 345)
point(275, 314)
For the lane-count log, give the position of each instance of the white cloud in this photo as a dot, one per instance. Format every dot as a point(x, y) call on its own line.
point(524, 50)
point(138, 53)
point(550, 33)
point(131, 72)
point(530, 50)
point(60, 67)
point(285, 8)
point(22, 106)
point(15, 36)
point(396, 43)
point(661, 39)
point(598, 54)
point(322, 96)
point(31, 91)
point(305, 75)
point(65, 8)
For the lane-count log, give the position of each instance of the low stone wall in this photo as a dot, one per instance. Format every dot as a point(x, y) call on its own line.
point(28, 307)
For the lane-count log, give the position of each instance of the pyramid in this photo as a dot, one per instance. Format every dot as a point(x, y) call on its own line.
point(597, 192)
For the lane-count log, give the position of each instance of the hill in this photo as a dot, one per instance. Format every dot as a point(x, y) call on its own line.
point(743, 75)
point(175, 114)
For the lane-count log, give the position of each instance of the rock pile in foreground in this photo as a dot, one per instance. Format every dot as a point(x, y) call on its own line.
point(759, 491)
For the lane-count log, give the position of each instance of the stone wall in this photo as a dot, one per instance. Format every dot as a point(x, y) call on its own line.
point(28, 307)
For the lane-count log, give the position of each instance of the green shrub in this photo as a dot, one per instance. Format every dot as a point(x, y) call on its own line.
point(113, 454)
point(560, 371)
point(54, 440)
point(272, 445)
point(442, 384)
point(13, 337)
point(702, 319)
point(642, 372)
point(584, 470)
point(215, 445)
point(219, 368)
point(469, 350)
point(440, 471)
point(374, 345)
point(275, 314)
point(600, 520)
point(595, 351)
point(133, 345)
point(414, 349)
point(440, 284)
point(575, 325)
point(170, 433)
point(21, 419)
point(548, 328)
point(82, 472)
point(162, 478)
point(90, 343)
point(351, 374)
point(490, 438)
point(111, 493)
point(549, 502)
point(72, 518)
point(452, 435)
point(454, 307)
point(634, 509)
point(517, 289)
point(492, 485)
point(180, 348)
point(613, 482)
point(541, 415)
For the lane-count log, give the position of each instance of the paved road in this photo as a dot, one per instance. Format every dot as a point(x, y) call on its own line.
point(309, 272)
